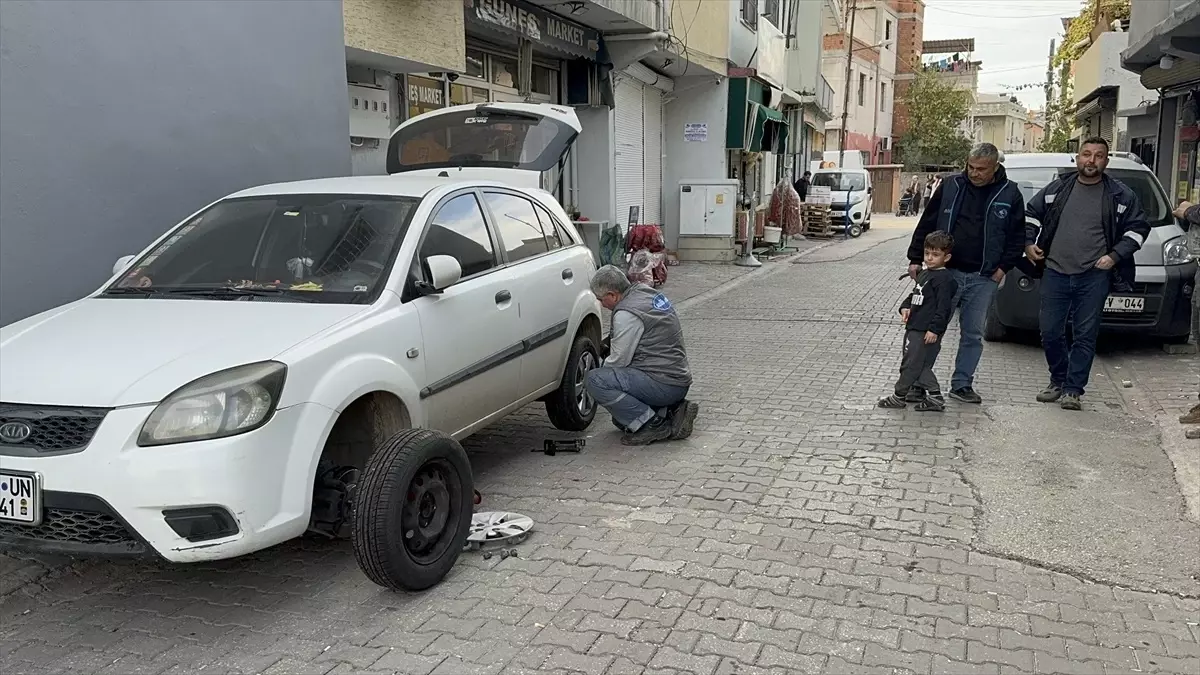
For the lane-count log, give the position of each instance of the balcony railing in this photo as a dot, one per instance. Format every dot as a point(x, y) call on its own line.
point(824, 95)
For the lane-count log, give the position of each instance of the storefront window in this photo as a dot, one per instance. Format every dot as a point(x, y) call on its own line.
point(462, 94)
point(1187, 178)
point(475, 60)
point(424, 94)
point(504, 72)
point(543, 81)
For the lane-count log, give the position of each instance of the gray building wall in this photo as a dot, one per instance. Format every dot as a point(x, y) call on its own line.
point(120, 118)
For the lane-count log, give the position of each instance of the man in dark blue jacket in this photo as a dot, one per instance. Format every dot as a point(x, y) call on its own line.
point(1091, 225)
point(985, 213)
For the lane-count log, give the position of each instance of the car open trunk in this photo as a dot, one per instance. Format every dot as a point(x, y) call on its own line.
point(507, 142)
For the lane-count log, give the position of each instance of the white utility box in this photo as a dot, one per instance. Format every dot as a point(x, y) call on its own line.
point(707, 207)
point(369, 115)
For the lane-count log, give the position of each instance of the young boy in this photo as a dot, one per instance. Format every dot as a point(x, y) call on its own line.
point(926, 313)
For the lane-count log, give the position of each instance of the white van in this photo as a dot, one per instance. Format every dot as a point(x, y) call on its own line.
point(852, 200)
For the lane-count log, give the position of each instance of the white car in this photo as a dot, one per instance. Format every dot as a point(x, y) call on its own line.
point(274, 364)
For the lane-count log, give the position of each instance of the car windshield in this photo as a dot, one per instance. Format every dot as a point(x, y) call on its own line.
point(479, 138)
point(840, 182)
point(1143, 184)
point(317, 248)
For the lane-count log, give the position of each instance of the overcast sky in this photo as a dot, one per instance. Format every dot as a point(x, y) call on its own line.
point(1012, 38)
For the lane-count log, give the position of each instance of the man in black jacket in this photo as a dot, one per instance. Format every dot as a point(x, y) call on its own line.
point(1091, 225)
point(985, 213)
point(802, 185)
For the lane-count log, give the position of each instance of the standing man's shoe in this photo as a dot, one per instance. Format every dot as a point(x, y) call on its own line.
point(966, 395)
point(914, 395)
point(1070, 402)
point(1050, 394)
point(1192, 416)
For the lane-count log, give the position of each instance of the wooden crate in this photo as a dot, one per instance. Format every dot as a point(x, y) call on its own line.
point(816, 220)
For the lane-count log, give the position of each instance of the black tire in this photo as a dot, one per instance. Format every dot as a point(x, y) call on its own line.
point(993, 330)
point(854, 230)
point(412, 466)
point(563, 404)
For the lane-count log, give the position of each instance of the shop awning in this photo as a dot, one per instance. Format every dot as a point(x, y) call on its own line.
point(770, 130)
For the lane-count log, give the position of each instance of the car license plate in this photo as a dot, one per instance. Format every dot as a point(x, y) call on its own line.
point(1124, 304)
point(20, 498)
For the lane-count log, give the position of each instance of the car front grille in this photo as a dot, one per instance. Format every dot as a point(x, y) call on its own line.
point(87, 526)
point(54, 430)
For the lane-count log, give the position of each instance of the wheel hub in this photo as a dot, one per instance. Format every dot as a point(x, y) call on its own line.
point(583, 399)
point(426, 511)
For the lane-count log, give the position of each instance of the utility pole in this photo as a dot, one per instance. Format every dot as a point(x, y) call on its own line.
point(1049, 90)
point(846, 93)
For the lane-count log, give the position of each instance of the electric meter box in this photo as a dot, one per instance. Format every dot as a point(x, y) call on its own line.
point(707, 207)
point(369, 114)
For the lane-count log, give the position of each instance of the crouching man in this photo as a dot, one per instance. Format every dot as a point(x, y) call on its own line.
point(645, 378)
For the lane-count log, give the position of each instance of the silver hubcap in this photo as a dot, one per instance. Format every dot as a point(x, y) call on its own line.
point(583, 400)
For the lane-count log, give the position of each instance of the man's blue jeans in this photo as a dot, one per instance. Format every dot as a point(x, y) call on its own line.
point(631, 396)
point(975, 293)
point(1078, 300)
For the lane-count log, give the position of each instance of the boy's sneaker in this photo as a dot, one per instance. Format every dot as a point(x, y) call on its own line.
point(932, 403)
point(1192, 416)
point(966, 395)
point(683, 417)
point(1050, 394)
point(1070, 402)
point(914, 395)
point(893, 402)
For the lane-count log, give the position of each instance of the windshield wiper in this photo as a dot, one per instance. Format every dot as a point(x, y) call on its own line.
point(132, 290)
point(235, 291)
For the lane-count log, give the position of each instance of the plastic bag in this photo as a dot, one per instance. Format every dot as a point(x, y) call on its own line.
point(642, 265)
point(612, 246)
point(785, 208)
point(649, 237)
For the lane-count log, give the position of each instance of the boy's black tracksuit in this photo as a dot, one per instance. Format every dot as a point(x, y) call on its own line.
point(930, 305)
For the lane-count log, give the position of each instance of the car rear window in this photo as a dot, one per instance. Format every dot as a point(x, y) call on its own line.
point(1143, 184)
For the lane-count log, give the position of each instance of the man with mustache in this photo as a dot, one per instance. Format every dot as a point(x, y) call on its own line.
point(1091, 225)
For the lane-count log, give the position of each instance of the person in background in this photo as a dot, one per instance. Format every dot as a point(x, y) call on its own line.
point(1091, 225)
point(802, 185)
point(1189, 215)
point(985, 213)
point(926, 314)
point(644, 380)
point(927, 194)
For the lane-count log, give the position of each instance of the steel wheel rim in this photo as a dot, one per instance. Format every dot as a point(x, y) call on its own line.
point(583, 400)
point(427, 520)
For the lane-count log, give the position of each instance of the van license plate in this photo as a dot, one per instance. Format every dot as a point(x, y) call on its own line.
point(1124, 304)
point(20, 498)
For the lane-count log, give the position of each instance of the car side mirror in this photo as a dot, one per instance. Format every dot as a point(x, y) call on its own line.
point(444, 272)
point(121, 263)
point(870, 190)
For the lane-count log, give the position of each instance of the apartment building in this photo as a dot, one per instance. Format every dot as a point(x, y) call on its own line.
point(999, 119)
point(865, 91)
point(1164, 50)
point(1110, 101)
point(910, 16)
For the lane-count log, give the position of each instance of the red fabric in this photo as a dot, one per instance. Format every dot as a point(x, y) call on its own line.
point(785, 208)
point(649, 238)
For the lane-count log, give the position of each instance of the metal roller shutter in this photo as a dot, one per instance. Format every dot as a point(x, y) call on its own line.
point(652, 192)
point(630, 130)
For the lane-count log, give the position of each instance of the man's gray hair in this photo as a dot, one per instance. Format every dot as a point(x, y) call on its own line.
point(986, 151)
point(610, 279)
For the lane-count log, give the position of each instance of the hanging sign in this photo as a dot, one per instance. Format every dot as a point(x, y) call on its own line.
point(534, 23)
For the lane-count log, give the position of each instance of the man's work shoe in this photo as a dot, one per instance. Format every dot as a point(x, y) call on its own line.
point(1070, 402)
point(683, 417)
point(966, 395)
point(657, 429)
point(1192, 416)
point(1050, 394)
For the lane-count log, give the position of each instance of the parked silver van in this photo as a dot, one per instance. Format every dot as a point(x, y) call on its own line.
point(1160, 303)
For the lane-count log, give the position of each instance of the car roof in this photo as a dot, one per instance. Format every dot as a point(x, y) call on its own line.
point(390, 186)
point(1063, 160)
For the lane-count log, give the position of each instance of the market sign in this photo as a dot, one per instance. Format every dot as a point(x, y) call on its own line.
point(533, 23)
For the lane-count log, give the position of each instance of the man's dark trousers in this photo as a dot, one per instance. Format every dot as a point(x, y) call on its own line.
point(1078, 300)
point(916, 365)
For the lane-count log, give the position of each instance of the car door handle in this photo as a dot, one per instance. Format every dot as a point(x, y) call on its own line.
point(503, 296)
point(568, 273)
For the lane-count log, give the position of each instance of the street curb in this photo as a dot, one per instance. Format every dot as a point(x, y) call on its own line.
point(767, 269)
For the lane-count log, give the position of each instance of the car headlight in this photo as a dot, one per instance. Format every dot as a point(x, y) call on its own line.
point(225, 403)
point(1175, 252)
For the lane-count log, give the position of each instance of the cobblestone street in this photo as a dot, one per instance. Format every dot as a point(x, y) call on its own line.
point(799, 530)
